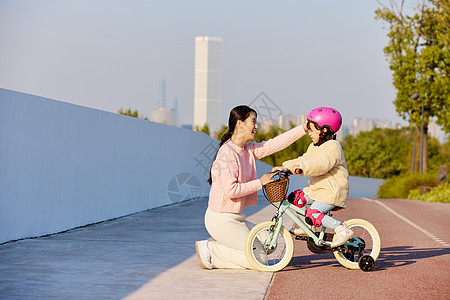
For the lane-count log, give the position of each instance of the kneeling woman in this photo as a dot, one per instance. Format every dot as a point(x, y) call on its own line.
point(234, 186)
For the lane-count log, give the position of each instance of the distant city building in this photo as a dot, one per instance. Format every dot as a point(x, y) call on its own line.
point(340, 135)
point(360, 125)
point(383, 124)
point(164, 116)
point(208, 82)
point(265, 124)
point(285, 121)
point(176, 112)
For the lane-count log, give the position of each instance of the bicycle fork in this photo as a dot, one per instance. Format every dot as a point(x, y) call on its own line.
point(271, 241)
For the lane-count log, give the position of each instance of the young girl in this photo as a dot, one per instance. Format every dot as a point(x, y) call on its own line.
point(325, 165)
point(234, 186)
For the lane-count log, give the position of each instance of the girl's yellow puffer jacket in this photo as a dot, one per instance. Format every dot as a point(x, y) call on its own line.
point(327, 171)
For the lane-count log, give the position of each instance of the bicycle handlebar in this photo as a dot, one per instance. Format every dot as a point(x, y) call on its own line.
point(286, 173)
point(282, 173)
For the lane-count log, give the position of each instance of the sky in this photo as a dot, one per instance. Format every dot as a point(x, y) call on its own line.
point(109, 54)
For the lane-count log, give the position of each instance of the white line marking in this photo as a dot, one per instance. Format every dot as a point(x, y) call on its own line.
point(430, 235)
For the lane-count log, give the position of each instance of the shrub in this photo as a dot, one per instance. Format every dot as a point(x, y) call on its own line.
point(400, 186)
point(439, 194)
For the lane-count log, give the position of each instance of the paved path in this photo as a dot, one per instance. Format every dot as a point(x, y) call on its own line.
point(148, 255)
point(151, 255)
point(188, 281)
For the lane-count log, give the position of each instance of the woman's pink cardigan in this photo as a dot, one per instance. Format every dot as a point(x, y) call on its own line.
point(234, 183)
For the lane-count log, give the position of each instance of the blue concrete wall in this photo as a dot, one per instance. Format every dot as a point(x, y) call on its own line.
point(64, 166)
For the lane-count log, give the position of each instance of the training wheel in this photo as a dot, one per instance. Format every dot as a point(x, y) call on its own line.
point(366, 263)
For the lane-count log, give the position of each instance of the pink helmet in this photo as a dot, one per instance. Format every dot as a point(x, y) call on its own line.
point(326, 116)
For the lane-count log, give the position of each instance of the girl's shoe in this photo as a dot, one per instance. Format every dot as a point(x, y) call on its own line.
point(203, 254)
point(341, 235)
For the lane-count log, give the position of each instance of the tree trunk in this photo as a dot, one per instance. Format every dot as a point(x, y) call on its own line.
point(425, 147)
point(424, 150)
point(413, 159)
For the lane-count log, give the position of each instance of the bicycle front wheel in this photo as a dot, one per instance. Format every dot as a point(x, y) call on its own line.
point(261, 257)
point(364, 230)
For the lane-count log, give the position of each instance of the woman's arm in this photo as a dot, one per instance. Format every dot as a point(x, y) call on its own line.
point(232, 188)
point(225, 172)
point(277, 143)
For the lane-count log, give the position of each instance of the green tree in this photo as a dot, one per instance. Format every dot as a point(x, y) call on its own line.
point(221, 132)
point(385, 153)
point(204, 129)
point(439, 154)
point(419, 58)
point(134, 114)
point(443, 17)
point(379, 153)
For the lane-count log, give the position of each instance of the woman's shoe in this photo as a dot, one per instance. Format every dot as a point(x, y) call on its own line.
point(203, 254)
point(341, 235)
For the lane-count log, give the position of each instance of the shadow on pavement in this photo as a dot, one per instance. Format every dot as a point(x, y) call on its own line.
point(393, 257)
point(390, 257)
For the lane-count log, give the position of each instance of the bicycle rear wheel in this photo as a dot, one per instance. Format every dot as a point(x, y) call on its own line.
point(264, 259)
point(349, 257)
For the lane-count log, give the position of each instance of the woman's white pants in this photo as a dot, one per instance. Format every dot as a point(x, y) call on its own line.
point(229, 232)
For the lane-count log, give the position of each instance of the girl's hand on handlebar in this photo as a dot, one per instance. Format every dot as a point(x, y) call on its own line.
point(266, 178)
point(295, 169)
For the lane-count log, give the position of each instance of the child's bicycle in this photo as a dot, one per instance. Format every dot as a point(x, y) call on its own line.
point(269, 246)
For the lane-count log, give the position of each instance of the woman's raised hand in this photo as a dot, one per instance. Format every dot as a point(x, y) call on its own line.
point(266, 178)
point(305, 126)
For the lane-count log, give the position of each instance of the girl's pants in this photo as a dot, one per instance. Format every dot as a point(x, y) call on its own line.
point(324, 208)
point(229, 232)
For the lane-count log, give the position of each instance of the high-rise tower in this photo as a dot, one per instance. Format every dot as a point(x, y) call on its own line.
point(208, 82)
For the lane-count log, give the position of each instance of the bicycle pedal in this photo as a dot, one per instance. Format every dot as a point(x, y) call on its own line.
point(301, 237)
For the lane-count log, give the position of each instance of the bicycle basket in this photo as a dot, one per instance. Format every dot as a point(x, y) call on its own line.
point(276, 191)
